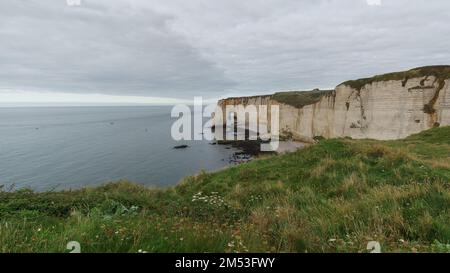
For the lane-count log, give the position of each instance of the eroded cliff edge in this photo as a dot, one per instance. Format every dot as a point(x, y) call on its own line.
point(384, 107)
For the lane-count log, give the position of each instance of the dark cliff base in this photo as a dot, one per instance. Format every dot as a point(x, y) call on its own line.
point(249, 148)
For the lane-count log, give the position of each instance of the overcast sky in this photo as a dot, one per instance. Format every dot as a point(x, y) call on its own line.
point(150, 50)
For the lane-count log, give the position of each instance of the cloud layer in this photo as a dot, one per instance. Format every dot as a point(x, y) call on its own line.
point(182, 48)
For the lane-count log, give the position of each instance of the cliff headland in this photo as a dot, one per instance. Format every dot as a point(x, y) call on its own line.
point(384, 107)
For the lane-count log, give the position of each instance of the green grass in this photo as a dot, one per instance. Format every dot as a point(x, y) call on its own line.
point(334, 196)
point(300, 99)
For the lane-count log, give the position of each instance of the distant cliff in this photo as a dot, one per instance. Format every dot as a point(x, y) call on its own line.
point(389, 106)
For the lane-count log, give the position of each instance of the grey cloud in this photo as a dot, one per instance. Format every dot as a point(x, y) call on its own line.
point(99, 48)
point(182, 48)
point(306, 44)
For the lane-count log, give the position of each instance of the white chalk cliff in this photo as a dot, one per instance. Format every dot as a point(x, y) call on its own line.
point(384, 107)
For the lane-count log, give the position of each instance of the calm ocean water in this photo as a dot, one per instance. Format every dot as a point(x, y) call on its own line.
point(71, 147)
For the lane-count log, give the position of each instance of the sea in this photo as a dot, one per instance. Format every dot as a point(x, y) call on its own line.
point(60, 148)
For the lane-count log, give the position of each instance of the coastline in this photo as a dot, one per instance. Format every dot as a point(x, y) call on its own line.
point(305, 201)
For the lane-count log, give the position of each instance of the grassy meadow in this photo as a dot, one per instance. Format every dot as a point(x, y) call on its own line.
point(334, 196)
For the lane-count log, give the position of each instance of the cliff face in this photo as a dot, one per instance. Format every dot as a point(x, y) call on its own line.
point(390, 106)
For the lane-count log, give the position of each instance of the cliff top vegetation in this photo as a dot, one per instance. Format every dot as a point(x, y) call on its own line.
point(441, 72)
point(296, 99)
point(300, 99)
